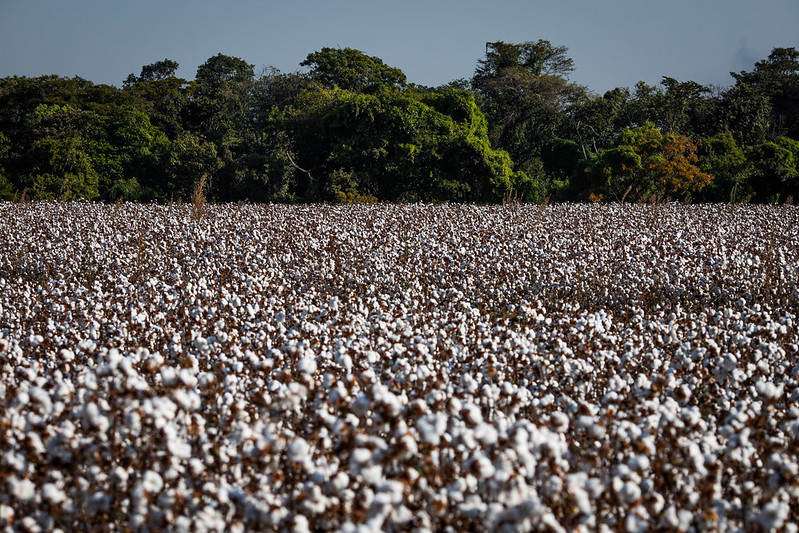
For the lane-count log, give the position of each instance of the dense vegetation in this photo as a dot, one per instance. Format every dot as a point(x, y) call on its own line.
point(349, 128)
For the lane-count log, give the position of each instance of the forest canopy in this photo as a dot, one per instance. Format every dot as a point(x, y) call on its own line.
point(346, 127)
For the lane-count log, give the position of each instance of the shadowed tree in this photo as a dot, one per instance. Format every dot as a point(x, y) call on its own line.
point(525, 93)
point(777, 78)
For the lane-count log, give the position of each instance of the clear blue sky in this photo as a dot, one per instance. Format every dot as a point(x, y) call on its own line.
point(614, 43)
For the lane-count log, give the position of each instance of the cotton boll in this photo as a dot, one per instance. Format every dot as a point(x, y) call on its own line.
point(559, 421)
point(169, 376)
point(471, 414)
point(22, 490)
point(361, 404)
point(639, 463)
point(629, 492)
point(188, 400)
point(339, 482)
point(307, 365)
point(773, 515)
point(486, 434)
point(152, 482)
point(300, 524)
point(187, 377)
point(299, 450)
point(359, 458)
point(6, 515)
point(95, 418)
point(408, 447)
point(98, 502)
point(431, 427)
point(768, 390)
point(52, 494)
point(178, 447)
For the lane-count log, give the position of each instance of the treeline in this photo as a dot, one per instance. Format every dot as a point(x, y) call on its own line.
point(349, 128)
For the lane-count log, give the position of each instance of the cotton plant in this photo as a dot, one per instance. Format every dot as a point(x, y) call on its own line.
point(569, 367)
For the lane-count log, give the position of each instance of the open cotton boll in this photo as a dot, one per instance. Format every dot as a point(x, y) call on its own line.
point(431, 427)
point(559, 421)
point(769, 390)
point(307, 365)
point(22, 490)
point(52, 494)
point(178, 447)
point(773, 515)
point(299, 451)
point(152, 482)
point(6, 514)
point(95, 418)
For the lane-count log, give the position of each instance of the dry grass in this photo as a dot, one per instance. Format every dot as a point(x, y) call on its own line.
point(198, 199)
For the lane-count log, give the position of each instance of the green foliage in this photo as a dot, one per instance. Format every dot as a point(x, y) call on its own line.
point(774, 173)
point(647, 164)
point(66, 171)
point(525, 95)
point(537, 58)
point(352, 129)
point(352, 70)
point(6, 187)
point(595, 122)
point(160, 70)
point(397, 146)
point(776, 79)
point(745, 112)
point(721, 157)
point(189, 159)
point(614, 172)
point(561, 157)
point(222, 72)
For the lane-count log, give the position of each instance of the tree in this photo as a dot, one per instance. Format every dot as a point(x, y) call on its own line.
point(685, 108)
point(160, 94)
point(160, 70)
point(774, 172)
point(66, 172)
point(647, 163)
point(561, 157)
point(221, 71)
point(744, 111)
point(721, 157)
point(220, 110)
point(352, 70)
point(525, 94)
point(189, 160)
point(6, 187)
point(538, 58)
point(777, 78)
point(396, 146)
point(595, 122)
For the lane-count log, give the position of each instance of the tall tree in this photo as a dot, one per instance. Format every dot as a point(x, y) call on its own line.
point(160, 70)
point(744, 111)
point(685, 107)
point(777, 78)
point(524, 93)
point(221, 111)
point(774, 172)
point(352, 70)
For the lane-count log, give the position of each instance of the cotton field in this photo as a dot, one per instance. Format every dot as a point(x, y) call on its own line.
point(414, 367)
